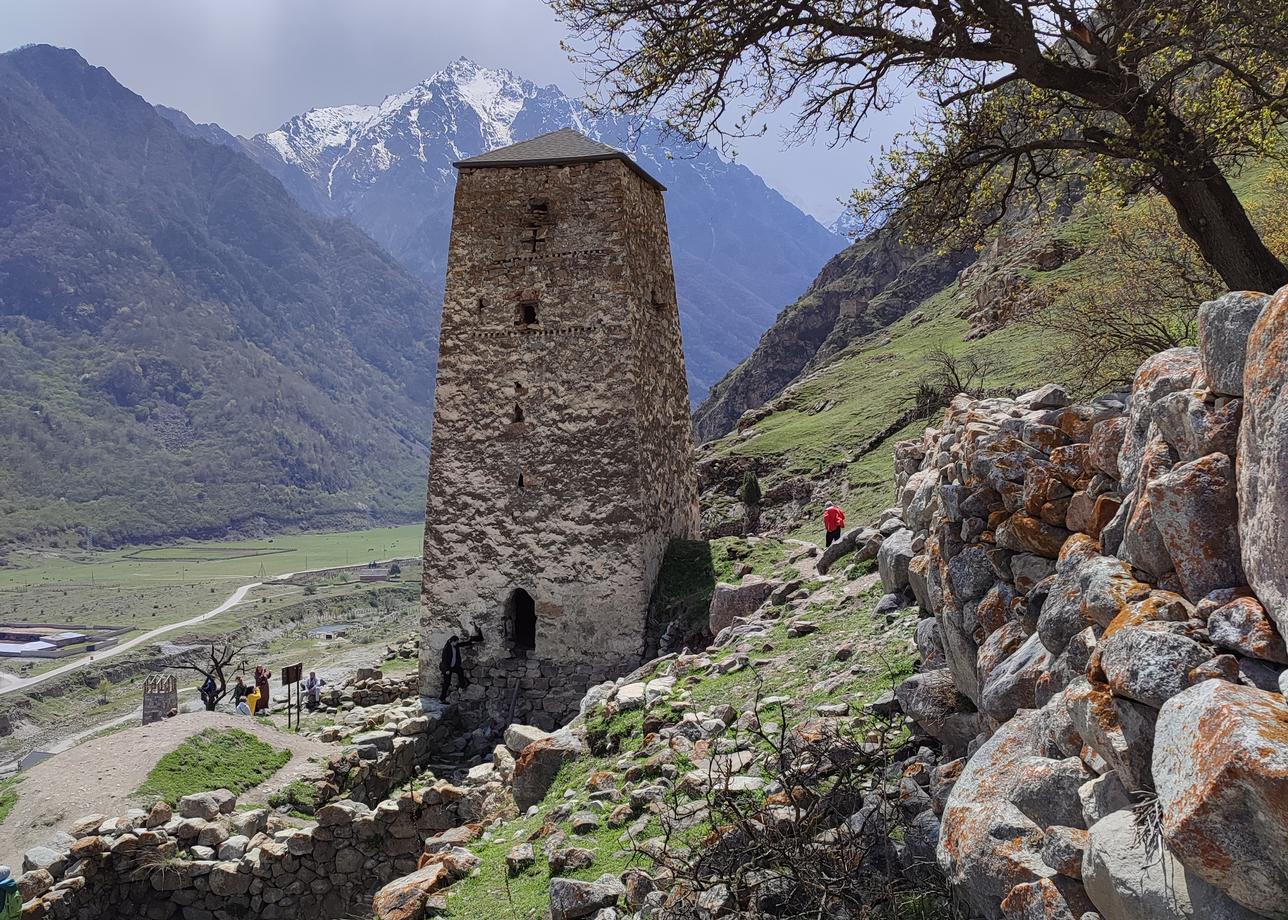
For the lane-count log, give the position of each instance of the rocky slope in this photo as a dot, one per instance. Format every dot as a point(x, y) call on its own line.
point(741, 251)
point(867, 287)
point(184, 350)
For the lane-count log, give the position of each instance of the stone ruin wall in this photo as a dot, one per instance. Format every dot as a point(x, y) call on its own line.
point(1105, 596)
point(585, 535)
point(253, 865)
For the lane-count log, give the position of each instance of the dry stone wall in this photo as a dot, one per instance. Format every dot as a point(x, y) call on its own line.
point(1103, 662)
point(209, 861)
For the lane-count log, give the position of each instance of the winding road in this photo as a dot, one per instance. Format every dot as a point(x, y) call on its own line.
point(13, 684)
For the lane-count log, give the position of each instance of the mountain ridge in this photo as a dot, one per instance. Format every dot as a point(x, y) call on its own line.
point(184, 350)
point(741, 250)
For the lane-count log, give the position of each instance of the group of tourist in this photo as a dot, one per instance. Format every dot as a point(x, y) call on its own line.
point(254, 700)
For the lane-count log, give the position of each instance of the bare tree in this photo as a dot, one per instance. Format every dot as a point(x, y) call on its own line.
point(1026, 97)
point(947, 375)
point(214, 664)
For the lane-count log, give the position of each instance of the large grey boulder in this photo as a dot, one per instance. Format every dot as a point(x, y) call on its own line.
point(862, 541)
point(971, 574)
point(518, 737)
point(1196, 512)
point(893, 559)
point(1242, 626)
point(1164, 373)
point(987, 845)
point(1224, 327)
point(729, 602)
point(1221, 770)
point(1130, 875)
point(1150, 662)
point(1011, 685)
point(932, 701)
point(1263, 460)
point(571, 899)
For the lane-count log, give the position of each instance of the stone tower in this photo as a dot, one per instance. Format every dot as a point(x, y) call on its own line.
point(561, 463)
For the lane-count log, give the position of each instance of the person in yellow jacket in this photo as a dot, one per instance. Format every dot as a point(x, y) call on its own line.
point(252, 700)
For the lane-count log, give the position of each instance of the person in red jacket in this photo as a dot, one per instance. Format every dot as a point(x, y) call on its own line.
point(833, 521)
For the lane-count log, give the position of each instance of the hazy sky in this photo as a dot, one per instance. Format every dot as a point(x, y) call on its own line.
point(251, 64)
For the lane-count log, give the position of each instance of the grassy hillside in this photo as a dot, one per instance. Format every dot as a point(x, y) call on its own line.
point(835, 425)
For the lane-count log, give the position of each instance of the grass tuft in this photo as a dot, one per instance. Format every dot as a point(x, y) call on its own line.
point(222, 759)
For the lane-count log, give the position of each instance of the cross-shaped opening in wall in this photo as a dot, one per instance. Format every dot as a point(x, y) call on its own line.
point(534, 239)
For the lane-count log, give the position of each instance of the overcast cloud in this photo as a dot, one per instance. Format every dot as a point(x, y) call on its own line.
point(251, 64)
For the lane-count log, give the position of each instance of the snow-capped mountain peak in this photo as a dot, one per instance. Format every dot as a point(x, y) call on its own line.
point(741, 250)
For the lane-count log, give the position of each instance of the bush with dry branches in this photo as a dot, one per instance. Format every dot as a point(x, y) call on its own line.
point(828, 836)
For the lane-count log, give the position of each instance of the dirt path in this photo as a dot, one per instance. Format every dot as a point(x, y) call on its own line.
point(100, 775)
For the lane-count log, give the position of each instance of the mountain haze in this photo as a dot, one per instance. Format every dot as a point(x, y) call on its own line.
point(741, 251)
point(184, 350)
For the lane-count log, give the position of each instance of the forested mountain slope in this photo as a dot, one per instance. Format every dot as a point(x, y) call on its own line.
point(184, 350)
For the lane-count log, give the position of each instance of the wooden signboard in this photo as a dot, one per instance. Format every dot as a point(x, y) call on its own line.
point(291, 675)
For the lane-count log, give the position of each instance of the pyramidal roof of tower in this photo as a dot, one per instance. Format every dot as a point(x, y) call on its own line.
point(563, 146)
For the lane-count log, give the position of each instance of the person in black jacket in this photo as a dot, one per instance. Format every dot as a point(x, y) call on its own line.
point(451, 664)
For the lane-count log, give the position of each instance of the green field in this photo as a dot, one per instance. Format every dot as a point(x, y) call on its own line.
point(175, 583)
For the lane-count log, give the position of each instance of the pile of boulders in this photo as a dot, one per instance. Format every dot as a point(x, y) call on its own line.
point(405, 648)
point(369, 687)
point(1105, 596)
point(210, 860)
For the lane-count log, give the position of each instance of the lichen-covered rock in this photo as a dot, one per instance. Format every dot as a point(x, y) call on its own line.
point(1046, 899)
point(1221, 769)
point(1194, 425)
point(1011, 685)
point(1021, 533)
point(536, 768)
point(1106, 442)
point(1224, 327)
point(1242, 626)
point(1197, 515)
point(1150, 662)
point(1129, 876)
point(1263, 460)
point(404, 898)
point(1118, 730)
point(987, 846)
point(893, 559)
point(1164, 373)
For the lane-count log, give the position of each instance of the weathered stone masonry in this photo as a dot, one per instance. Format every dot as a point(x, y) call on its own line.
point(561, 460)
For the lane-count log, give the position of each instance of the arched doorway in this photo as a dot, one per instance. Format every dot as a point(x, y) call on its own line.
point(523, 621)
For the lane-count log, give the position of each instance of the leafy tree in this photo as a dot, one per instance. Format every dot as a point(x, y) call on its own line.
point(1136, 294)
point(1027, 97)
point(749, 491)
